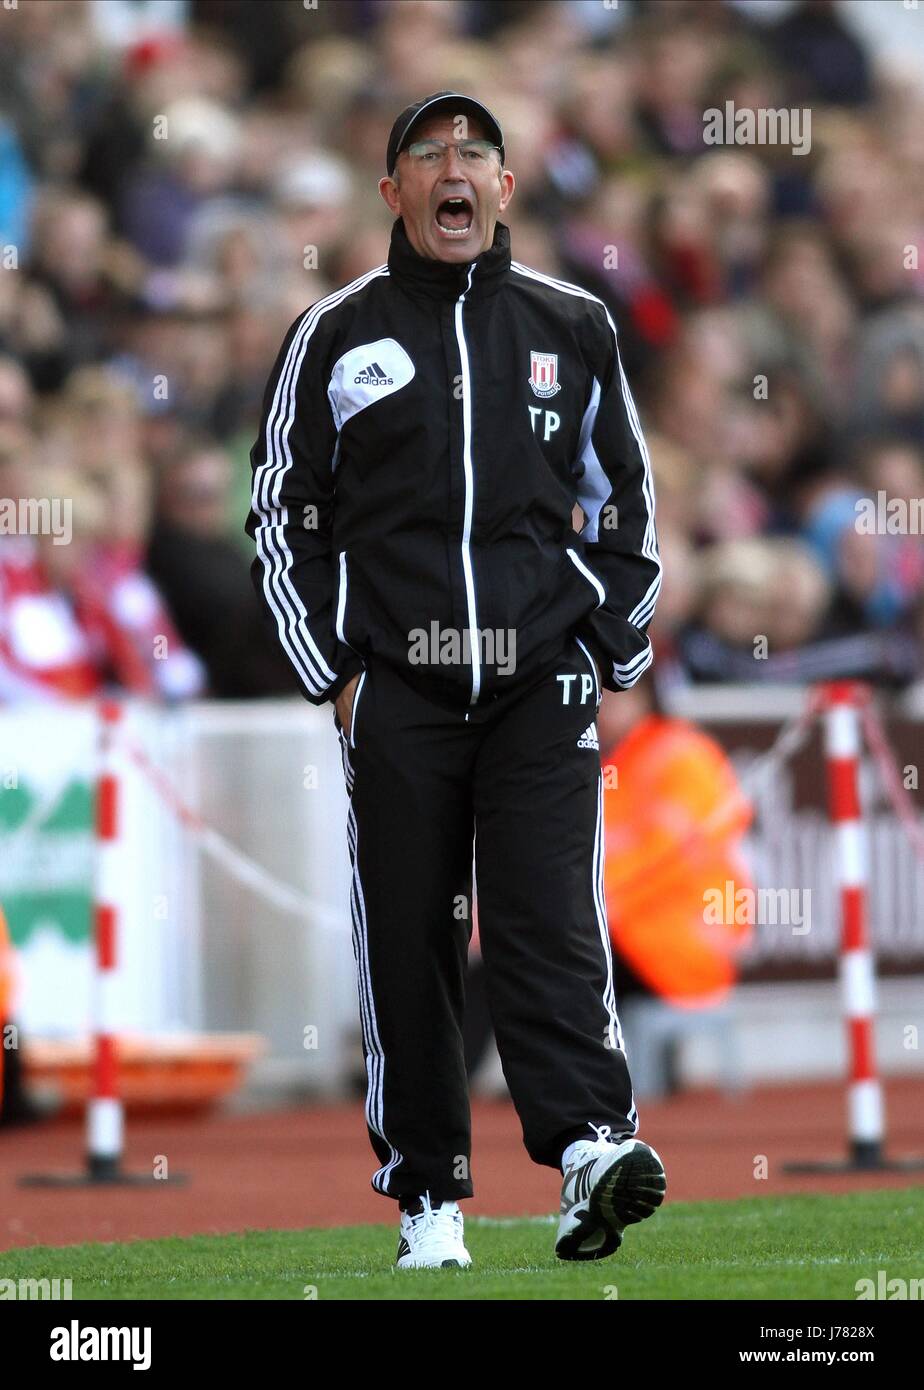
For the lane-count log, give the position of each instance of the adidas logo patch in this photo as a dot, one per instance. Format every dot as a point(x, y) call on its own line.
point(373, 376)
point(589, 739)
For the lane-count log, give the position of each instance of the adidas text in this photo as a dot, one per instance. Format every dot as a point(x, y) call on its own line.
point(373, 376)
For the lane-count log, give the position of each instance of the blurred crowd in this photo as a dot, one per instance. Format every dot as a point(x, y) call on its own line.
point(179, 179)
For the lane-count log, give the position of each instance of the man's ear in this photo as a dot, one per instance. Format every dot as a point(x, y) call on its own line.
point(388, 187)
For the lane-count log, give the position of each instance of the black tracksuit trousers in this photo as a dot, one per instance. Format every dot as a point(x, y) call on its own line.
point(521, 778)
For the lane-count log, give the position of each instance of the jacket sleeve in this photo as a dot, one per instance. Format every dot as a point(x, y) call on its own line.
point(620, 546)
point(291, 515)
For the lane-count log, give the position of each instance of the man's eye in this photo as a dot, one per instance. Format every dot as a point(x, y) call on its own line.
point(475, 155)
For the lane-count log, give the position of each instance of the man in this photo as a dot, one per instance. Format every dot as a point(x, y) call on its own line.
point(427, 431)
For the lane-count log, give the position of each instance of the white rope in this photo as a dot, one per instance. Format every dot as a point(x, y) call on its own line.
point(240, 865)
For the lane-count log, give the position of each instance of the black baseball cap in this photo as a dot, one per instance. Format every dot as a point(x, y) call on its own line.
point(429, 106)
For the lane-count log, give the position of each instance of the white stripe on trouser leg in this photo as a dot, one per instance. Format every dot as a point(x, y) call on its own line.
point(609, 997)
point(375, 1055)
point(373, 1051)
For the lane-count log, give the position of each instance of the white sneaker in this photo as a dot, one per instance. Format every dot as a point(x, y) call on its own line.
point(607, 1186)
point(432, 1237)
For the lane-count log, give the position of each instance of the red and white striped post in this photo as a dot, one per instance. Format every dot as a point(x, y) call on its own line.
point(105, 1120)
point(841, 704)
point(105, 1126)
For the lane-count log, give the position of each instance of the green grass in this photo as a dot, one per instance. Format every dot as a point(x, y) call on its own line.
point(768, 1248)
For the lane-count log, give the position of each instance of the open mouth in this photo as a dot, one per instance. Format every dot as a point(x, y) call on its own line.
point(454, 216)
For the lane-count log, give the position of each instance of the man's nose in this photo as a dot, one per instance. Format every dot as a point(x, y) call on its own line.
point(453, 165)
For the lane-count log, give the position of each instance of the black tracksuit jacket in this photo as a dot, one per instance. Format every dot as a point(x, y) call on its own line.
point(426, 431)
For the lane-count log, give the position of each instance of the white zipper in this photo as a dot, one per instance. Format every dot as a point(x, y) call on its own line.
point(469, 494)
point(341, 598)
point(588, 575)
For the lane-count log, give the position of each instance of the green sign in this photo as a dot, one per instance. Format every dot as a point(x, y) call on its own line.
point(46, 870)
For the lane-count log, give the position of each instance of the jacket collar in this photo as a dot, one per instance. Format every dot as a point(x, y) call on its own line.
point(447, 279)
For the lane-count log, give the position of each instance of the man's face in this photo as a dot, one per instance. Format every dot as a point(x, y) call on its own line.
point(418, 194)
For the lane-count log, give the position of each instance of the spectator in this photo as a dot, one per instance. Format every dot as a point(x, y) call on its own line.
point(79, 616)
point(178, 181)
point(204, 577)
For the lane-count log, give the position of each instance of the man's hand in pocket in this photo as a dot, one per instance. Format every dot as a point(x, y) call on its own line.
point(344, 705)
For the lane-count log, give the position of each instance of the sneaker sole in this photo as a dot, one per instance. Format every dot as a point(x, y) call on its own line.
point(445, 1264)
point(569, 1247)
point(630, 1191)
